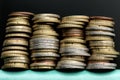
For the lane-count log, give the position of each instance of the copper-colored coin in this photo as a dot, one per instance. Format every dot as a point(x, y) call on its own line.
point(19, 13)
point(101, 17)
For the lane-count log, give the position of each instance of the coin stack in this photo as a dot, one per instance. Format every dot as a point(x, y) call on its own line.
point(44, 43)
point(100, 34)
point(15, 47)
point(72, 45)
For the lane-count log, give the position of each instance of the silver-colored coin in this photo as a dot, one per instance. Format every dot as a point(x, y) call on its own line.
point(69, 67)
point(46, 44)
point(75, 54)
point(45, 54)
point(100, 33)
point(71, 62)
point(97, 27)
point(103, 64)
point(43, 47)
point(99, 67)
point(70, 49)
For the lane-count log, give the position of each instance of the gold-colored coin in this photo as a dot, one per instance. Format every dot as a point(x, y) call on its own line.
point(76, 16)
point(72, 40)
point(12, 35)
point(14, 52)
point(72, 22)
point(37, 16)
point(45, 32)
point(15, 65)
point(70, 26)
point(92, 38)
point(12, 55)
point(14, 48)
point(18, 22)
point(15, 41)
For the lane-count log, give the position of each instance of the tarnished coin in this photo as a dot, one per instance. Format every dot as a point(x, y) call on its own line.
point(15, 41)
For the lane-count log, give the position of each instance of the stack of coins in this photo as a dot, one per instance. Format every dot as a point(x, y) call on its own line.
point(100, 34)
point(15, 47)
point(72, 45)
point(44, 43)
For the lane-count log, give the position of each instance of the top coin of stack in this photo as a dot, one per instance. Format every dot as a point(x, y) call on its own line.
point(44, 43)
point(15, 46)
point(99, 34)
point(72, 45)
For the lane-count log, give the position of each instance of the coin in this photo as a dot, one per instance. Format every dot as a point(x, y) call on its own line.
point(17, 35)
point(98, 27)
point(44, 54)
point(70, 26)
point(14, 48)
point(15, 65)
point(19, 13)
point(37, 16)
point(15, 41)
point(101, 33)
point(102, 18)
point(14, 52)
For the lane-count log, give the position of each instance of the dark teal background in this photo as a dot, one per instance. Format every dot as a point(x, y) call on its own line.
point(56, 75)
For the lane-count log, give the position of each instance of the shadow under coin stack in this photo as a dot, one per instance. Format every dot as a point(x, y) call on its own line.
point(72, 45)
point(44, 43)
point(100, 35)
point(15, 47)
